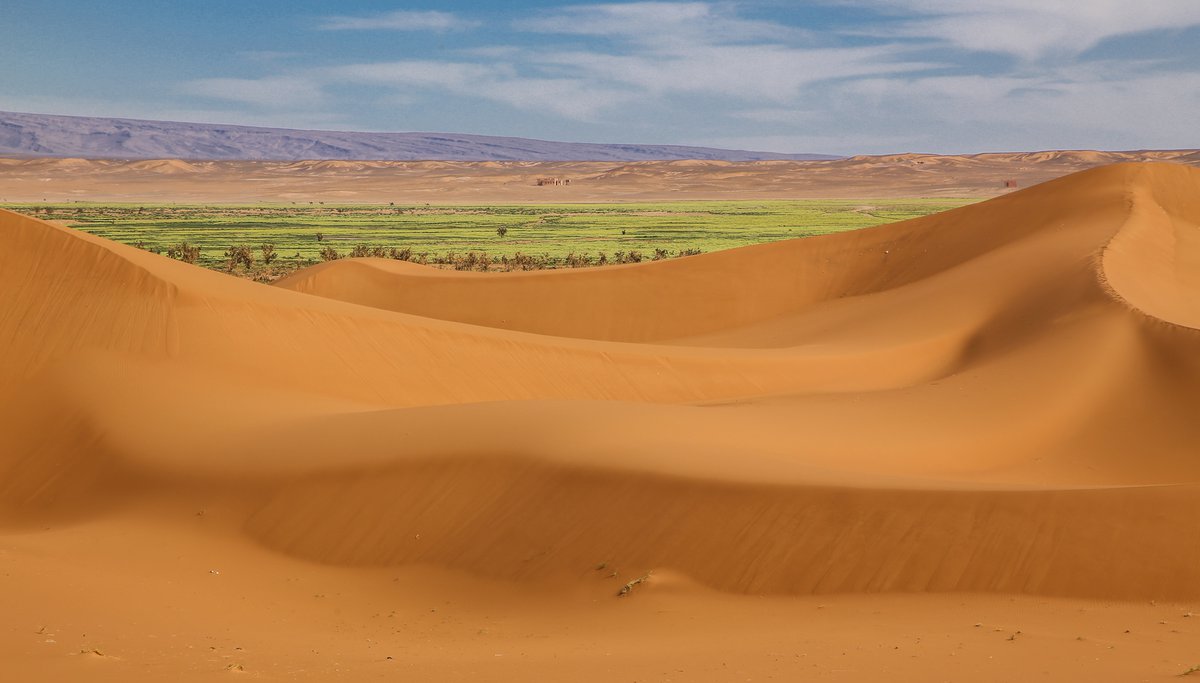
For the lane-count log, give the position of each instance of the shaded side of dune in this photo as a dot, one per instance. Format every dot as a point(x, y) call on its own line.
point(517, 520)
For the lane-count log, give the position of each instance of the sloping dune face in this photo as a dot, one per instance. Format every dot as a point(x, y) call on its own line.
point(1000, 398)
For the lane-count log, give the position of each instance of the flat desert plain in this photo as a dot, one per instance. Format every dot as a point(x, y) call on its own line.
point(957, 448)
point(516, 182)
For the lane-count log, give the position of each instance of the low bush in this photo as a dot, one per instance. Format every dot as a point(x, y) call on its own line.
point(188, 253)
point(239, 255)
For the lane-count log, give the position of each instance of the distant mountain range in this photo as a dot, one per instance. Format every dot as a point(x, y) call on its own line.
point(48, 135)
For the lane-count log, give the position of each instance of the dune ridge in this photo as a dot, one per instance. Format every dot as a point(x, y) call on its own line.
point(999, 398)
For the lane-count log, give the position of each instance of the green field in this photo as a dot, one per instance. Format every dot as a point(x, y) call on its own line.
point(546, 235)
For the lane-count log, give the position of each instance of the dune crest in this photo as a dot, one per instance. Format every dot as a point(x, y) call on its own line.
point(1154, 263)
point(999, 398)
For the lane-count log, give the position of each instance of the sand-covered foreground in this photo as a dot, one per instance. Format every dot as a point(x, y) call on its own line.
point(962, 447)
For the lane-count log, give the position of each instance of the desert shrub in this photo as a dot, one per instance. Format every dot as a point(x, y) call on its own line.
point(627, 257)
point(239, 255)
point(268, 253)
point(518, 261)
point(404, 254)
point(480, 262)
point(660, 254)
point(367, 250)
point(469, 261)
point(320, 235)
point(328, 253)
point(502, 231)
point(573, 260)
point(188, 253)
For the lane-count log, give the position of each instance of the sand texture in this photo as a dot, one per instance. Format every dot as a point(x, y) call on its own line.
point(962, 447)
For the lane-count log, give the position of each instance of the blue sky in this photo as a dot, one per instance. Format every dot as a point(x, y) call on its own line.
point(836, 76)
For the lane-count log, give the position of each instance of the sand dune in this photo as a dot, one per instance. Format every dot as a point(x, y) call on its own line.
point(998, 399)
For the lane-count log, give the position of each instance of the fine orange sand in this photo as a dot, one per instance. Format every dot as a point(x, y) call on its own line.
point(960, 448)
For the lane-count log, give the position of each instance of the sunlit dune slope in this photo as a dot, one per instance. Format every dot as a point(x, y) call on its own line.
point(1041, 229)
point(998, 398)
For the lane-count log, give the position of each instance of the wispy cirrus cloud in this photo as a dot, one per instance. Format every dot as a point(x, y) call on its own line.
point(918, 73)
point(498, 81)
point(659, 22)
point(1029, 29)
point(415, 72)
point(766, 72)
point(650, 51)
point(657, 49)
point(400, 20)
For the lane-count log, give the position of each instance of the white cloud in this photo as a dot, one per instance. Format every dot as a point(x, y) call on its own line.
point(1077, 107)
point(765, 72)
point(686, 48)
point(1032, 29)
point(702, 73)
point(423, 73)
point(700, 48)
point(779, 115)
point(402, 20)
point(499, 82)
point(573, 99)
point(658, 22)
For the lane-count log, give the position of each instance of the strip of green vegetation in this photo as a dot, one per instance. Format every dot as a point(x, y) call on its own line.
point(542, 235)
